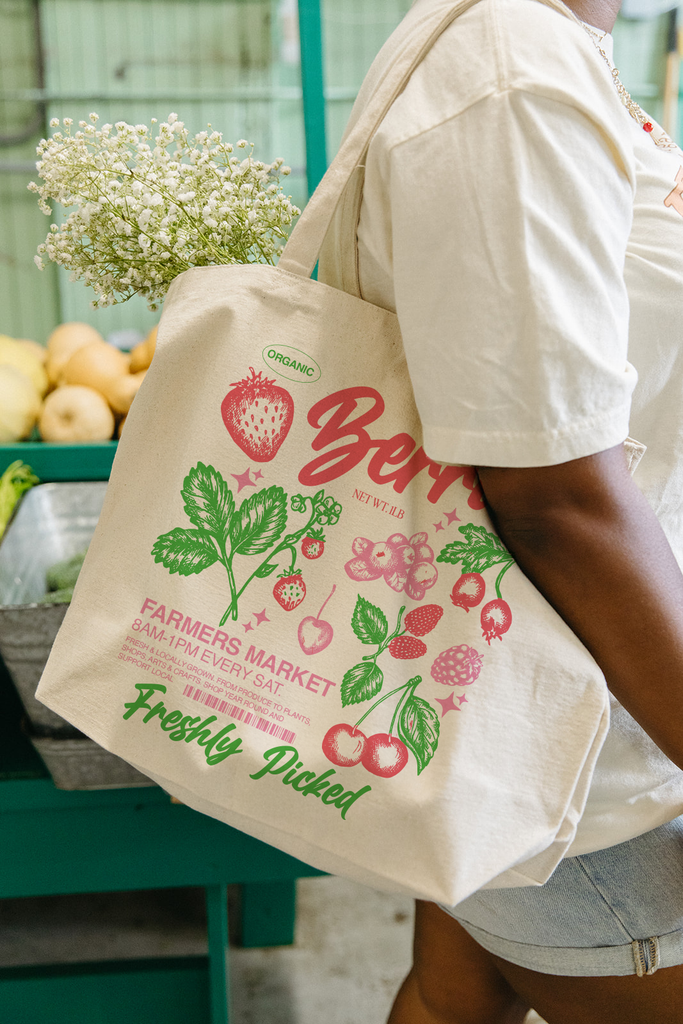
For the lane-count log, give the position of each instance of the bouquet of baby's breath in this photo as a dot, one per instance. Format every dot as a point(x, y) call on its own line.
point(143, 208)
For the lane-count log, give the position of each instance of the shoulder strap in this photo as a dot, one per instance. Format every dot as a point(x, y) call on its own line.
point(305, 242)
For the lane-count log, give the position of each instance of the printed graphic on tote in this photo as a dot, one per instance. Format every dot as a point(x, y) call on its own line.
point(414, 719)
point(406, 565)
point(384, 754)
point(458, 666)
point(314, 633)
point(258, 414)
point(479, 551)
point(221, 531)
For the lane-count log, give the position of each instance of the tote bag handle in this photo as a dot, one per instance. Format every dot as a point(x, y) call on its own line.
point(305, 242)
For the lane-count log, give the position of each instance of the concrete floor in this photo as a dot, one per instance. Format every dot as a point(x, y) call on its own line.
point(351, 952)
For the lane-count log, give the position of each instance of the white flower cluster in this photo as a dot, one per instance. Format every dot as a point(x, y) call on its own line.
point(142, 209)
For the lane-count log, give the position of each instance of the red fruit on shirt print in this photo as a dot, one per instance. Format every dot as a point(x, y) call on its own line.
point(480, 550)
point(258, 414)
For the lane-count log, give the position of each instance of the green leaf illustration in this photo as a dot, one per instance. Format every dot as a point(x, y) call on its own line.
point(361, 683)
point(265, 570)
point(479, 551)
point(185, 551)
point(418, 727)
point(208, 500)
point(369, 622)
point(259, 522)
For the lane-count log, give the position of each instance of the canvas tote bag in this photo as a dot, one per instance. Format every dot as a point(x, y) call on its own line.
point(294, 620)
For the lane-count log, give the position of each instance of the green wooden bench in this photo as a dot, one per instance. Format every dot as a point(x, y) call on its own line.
point(56, 842)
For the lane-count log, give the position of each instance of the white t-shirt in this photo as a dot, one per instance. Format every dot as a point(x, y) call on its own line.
point(529, 235)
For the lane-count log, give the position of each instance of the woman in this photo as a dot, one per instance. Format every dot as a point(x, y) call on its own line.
point(524, 219)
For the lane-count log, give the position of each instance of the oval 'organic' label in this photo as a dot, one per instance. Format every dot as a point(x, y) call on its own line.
point(291, 363)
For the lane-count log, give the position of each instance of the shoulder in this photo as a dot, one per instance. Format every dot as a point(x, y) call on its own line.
point(497, 47)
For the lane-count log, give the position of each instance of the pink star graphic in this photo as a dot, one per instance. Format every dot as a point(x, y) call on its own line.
point(247, 626)
point(258, 475)
point(261, 617)
point(452, 517)
point(437, 527)
point(243, 479)
point(447, 704)
point(462, 698)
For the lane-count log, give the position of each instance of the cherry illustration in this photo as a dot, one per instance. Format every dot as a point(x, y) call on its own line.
point(314, 633)
point(384, 755)
point(495, 619)
point(344, 745)
point(468, 591)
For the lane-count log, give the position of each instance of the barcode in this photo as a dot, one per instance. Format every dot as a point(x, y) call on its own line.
point(241, 714)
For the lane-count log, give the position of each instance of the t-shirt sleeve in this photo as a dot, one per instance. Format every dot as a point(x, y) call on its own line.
point(509, 232)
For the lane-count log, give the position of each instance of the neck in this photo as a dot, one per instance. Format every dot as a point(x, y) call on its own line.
point(600, 13)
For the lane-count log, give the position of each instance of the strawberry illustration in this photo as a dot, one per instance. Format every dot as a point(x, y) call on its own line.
point(258, 414)
point(289, 591)
point(407, 647)
point(458, 666)
point(313, 544)
point(422, 620)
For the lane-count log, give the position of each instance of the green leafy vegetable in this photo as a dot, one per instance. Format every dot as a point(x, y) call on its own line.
point(15, 481)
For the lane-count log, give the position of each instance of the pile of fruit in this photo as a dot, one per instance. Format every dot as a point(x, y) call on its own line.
point(77, 388)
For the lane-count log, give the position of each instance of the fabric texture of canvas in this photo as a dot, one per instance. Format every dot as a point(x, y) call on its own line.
point(295, 620)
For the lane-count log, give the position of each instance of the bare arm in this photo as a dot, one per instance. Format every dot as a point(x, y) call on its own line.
point(587, 538)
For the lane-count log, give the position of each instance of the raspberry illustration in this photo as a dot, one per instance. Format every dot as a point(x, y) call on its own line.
point(468, 591)
point(458, 666)
point(289, 591)
point(495, 619)
point(258, 414)
point(422, 620)
point(407, 647)
point(313, 544)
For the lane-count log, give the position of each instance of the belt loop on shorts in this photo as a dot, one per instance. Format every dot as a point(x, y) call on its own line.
point(646, 956)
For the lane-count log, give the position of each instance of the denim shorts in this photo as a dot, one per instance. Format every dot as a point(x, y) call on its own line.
point(614, 912)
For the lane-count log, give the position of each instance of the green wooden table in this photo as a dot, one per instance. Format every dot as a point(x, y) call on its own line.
point(56, 842)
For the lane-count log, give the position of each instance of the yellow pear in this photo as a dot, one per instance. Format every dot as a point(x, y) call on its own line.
point(76, 413)
point(121, 391)
point(13, 353)
point(19, 405)
point(39, 351)
point(142, 355)
point(63, 342)
point(95, 365)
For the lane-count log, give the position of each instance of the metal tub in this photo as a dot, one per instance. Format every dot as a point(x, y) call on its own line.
point(53, 522)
